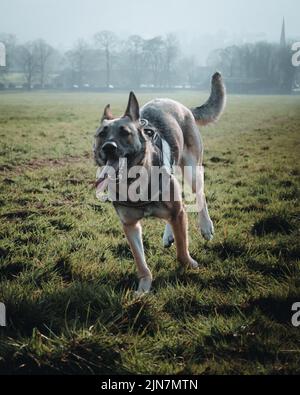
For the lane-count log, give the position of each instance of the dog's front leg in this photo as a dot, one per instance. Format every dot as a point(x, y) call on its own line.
point(179, 225)
point(134, 235)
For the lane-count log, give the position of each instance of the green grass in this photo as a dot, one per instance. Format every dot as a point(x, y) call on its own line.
point(67, 275)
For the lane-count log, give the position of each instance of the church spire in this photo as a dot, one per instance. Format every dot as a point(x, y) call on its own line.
point(283, 37)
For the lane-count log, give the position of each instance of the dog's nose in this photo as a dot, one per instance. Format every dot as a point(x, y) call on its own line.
point(110, 148)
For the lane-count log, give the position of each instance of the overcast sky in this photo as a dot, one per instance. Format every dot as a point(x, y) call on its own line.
point(62, 22)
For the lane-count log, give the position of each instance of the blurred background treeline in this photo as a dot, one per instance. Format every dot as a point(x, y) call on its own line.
point(107, 62)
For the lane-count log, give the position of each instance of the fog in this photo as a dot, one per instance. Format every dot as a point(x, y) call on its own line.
point(149, 44)
point(61, 22)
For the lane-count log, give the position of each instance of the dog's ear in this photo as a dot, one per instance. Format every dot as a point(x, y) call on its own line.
point(107, 115)
point(133, 108)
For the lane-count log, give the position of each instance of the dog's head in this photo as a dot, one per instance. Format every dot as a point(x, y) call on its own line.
point(120, 138)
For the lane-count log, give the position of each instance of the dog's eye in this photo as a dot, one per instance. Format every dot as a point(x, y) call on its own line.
point(101, 132)
point(124, 131)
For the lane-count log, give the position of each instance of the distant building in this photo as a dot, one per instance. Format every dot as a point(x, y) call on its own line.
point(286, 71)
point(283, 43)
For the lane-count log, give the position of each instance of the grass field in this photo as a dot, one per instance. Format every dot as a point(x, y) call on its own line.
point(67, 276)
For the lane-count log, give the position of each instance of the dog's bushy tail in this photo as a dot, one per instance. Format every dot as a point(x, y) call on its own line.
point(214, 107)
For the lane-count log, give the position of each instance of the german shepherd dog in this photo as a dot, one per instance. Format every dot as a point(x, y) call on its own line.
point(126, 137)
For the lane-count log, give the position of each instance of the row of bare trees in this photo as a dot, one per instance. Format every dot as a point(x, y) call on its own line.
point(105, 61)
point(33, 59)
point(138, 60)
point(268, 64)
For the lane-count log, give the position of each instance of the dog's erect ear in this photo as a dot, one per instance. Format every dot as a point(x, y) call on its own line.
point(133, 108)
point(107, 115)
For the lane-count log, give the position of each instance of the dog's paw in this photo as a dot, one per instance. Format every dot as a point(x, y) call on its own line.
point(193, 264)
point(144, 286)
point(168, 239)
point(207, 230)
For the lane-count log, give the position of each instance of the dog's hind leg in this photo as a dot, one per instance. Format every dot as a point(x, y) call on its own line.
point(134, 236)
point(194, 175)
point(168, 239)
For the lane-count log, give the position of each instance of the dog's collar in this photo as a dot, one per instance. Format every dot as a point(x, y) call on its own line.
point(148, 129)
point(144, 122)
point(160, 145)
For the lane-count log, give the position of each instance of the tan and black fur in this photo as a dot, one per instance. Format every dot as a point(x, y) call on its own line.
point(178, 126)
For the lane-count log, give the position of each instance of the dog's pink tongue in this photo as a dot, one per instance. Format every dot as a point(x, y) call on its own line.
point(101, 184)
point(102, 177)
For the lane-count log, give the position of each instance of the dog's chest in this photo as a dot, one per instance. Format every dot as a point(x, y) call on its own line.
point(156, 210)
point(149, 211)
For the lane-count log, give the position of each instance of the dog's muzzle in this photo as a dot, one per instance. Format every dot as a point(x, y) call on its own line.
point(110, 149)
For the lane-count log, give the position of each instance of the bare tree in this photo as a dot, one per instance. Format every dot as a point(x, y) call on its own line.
point(28, 61)
point(78, 59)
point(154, 53)
point(171, 54)
point(287, 72)
point(135, 56)
point(43, 54)
point(107, 41)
